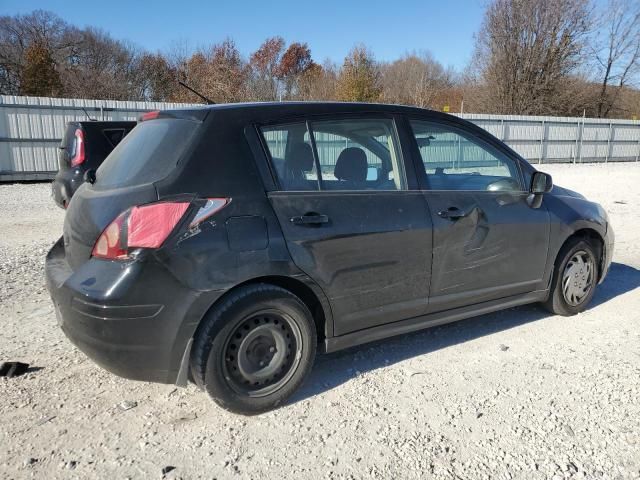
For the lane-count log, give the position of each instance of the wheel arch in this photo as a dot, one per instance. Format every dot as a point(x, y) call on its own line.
point(595, 238)
point(302, 287)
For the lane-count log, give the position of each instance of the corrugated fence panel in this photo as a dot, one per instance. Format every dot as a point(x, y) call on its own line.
point(564, 139)
point(31, 128)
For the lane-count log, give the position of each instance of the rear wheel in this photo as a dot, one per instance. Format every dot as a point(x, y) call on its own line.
point(574, 278)
point(254, 349)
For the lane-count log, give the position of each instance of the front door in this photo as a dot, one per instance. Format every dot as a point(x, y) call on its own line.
point(348, 219)
point(488, 243)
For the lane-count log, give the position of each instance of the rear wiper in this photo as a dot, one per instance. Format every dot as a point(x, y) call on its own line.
point(206, 99)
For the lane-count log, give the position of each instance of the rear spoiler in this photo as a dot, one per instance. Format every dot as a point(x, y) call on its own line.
point(194, 114)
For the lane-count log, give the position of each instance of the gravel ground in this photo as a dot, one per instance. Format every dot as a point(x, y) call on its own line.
point(515, 394)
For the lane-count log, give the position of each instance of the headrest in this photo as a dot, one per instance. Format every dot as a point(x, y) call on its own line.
point(351, 165)
point(300, 158)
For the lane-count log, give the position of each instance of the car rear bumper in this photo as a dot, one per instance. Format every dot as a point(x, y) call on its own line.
point(134, 319)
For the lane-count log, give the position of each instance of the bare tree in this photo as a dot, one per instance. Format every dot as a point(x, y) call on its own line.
point(101, 67)
point(415, 79)
point(526, 52)
point(295, 61)
point(318, 82)
point(218, 72)
point(19, 33)
point(228, 73)
point(616, 51)
point(154, 79)
point(264, 64)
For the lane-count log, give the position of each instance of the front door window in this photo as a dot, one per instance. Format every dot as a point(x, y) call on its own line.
point(455, 160)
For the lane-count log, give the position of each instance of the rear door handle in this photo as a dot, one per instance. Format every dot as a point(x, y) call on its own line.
point(454, 213)
point(310, 219)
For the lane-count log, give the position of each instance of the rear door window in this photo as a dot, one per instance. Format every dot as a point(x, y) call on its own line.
point(358, 154)
point(147, 154)
point(350, 154)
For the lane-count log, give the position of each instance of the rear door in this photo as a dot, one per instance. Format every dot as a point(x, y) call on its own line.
point(348, 218)
point(488, 243)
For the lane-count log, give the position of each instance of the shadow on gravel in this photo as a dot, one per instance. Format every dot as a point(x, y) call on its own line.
point(334, 369)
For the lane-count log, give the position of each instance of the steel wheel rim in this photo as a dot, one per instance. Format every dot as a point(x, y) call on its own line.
point(577, 278)
point(262, 353)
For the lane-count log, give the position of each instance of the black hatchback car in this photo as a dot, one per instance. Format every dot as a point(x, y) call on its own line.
point(227, 244)
point(84, 147)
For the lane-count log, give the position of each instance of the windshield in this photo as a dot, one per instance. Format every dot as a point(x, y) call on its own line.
point(148, 154)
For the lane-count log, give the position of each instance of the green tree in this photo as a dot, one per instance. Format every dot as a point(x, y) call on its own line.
point(39, 76)
point(359, 79)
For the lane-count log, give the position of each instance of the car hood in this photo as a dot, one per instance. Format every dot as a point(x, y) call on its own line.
point(559, 191)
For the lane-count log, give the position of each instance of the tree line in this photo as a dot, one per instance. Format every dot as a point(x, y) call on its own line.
point(531, 57)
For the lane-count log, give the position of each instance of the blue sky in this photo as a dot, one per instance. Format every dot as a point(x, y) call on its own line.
point(330, 27)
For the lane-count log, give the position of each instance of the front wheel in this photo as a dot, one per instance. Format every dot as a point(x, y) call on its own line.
point(254, 349)
point(574, 278)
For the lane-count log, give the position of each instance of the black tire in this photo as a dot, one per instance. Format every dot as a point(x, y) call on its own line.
point(557, 302)
point(260, 318)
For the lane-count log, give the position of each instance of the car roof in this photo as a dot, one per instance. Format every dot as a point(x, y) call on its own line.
point(261, 110)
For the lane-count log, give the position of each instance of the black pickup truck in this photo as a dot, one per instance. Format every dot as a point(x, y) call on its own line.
point(84, 147)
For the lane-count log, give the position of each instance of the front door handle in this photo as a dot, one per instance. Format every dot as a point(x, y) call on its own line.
point(454, 213)
point(310, 219)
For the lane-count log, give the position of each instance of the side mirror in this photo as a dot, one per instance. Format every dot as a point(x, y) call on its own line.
point(541, 183)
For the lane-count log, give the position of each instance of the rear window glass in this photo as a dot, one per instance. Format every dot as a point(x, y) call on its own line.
point(147, 154)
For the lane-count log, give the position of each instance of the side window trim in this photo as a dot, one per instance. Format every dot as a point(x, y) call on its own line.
point(423, 179)
point(262, 157)
point(411, 160)
point(316, 157)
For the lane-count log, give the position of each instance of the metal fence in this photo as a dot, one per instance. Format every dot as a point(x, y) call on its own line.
point(565, 139)
point(31, 129)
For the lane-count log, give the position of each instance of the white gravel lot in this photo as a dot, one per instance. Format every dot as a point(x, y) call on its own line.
point(516, 394)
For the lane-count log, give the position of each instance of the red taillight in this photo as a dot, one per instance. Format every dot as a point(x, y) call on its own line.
point(78, 158)
point(110, 242)
point(148, 226)
point(150, 115)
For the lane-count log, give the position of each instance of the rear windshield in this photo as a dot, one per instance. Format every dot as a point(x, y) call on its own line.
point(147, 154)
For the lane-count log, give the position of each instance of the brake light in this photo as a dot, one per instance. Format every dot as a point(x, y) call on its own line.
point(79, 157)
point(148, 226)
point(110, 244)
point(150, 115)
